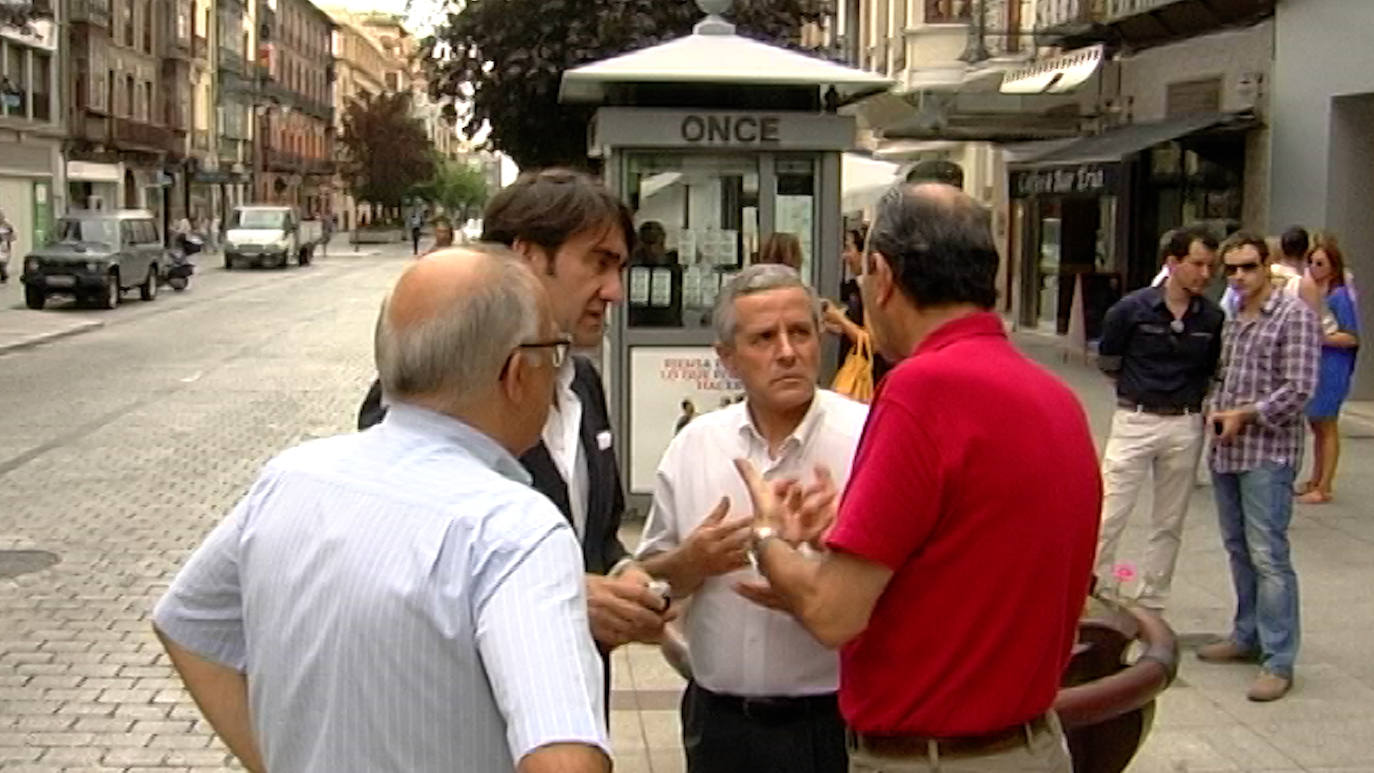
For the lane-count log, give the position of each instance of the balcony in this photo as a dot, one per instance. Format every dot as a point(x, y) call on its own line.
point(91, 128)
point(94, 12)
point(233, 62)
point(233, 150)
point(200, 140)
point(200, 47)
point(139, 135)
point(1140, 23)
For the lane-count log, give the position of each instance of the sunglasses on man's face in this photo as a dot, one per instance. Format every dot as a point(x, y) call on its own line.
point(1236, 268)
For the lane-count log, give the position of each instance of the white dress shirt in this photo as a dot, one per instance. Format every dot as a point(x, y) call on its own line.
point(400, 599)
point(563, 438)
point(738, 647)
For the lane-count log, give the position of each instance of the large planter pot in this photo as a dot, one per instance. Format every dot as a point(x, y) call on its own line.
point(1125, 657)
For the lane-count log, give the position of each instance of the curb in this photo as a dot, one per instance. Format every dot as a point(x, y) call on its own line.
point(43, 338)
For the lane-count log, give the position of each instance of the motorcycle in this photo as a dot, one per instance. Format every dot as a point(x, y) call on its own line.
point(179, 268)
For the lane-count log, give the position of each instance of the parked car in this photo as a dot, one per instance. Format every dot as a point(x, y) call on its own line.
point(96, 256)
point(269, 235)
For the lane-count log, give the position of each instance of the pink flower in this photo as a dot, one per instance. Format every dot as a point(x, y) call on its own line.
point(1123, 572)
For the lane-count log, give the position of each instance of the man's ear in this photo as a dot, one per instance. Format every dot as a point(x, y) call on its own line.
point(882, 278)
point(727, 358)
point(540, 259)
point(516, 374)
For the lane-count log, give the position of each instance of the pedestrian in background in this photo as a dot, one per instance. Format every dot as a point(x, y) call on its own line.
point(443, 234)
point(1340, 342)
point(782, 248)
point(400, 599)
point(1160, 345)
point(846, 319)
point(962, 552)
point(6, 247)
point(417, 222)
point(761, 698)
point(1270, 351)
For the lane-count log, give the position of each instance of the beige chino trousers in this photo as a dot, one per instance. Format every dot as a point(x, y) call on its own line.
point(1045, 751)
point(1167, 449)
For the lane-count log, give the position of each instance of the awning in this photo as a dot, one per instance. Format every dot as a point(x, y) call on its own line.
point(90, 171)
point(1055, 75)
point(863, 180)
point(1116, 144)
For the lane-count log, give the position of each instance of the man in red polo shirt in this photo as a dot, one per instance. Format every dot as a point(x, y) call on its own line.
point(956, 569)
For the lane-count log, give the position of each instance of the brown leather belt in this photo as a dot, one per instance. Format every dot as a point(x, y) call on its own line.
point(902, 746)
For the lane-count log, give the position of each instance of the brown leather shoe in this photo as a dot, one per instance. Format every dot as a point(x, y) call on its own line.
point(1268, 687)
point(1225, 651)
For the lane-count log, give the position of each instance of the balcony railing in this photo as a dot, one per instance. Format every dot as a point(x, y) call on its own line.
point(232, 61)
point(1051, 14)
point(233, 150)
point(95, 12)
point(89, 127)
point(200, 139)
point(137, 134)
point(1117, 9)
point(948, 11)
point(200, 47)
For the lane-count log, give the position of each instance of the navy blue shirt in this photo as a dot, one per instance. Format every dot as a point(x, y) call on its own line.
point(1160, 362)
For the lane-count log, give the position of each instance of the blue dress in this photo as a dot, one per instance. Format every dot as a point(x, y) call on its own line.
point(1337, 363)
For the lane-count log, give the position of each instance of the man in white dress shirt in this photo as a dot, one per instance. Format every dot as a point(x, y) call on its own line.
point(400, 599)
point(762, 695)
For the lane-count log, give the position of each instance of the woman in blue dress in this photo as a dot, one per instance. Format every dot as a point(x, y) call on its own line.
point(1340, 341)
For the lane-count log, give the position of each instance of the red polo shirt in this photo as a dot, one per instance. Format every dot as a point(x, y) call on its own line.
point(976, 482)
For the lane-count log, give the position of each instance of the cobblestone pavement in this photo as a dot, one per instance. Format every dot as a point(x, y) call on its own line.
point(119, 449)
point(122, 446)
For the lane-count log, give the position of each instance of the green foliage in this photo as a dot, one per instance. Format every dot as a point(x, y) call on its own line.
point(388, 152)
point(460, 187)
point(506, 58)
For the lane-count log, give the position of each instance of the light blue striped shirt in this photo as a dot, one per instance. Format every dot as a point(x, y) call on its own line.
point(400, 600)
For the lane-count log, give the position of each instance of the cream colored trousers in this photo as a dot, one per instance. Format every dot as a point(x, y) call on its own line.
point(1045, 751)
point(1166, 449)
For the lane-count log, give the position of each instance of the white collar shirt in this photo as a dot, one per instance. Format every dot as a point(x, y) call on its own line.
point(738, 647)
point(563, 438)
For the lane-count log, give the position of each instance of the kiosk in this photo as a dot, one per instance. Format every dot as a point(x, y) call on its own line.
point(719, 143)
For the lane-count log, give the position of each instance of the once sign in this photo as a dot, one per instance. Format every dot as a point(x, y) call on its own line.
point(730, 129)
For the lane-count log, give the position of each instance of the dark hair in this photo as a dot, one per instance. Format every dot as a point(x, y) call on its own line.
point(1295, 242)
point(782, 248)
point(858, 234)
point(1326, 242)
point(1245, 239)
point(549, 206)
point(935, 171)
point(940, 246)
point(1177, 241)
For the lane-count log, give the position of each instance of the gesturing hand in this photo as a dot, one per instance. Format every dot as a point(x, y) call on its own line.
point(622, 609)
point(799, 513)
point(718, 546)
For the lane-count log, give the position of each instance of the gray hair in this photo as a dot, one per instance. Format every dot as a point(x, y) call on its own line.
point(462, 349)
point(758, 278)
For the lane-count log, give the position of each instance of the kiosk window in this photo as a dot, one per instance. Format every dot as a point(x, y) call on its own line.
point(698, 221)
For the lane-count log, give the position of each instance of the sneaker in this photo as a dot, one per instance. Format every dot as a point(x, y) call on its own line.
point(1225, 651)
point(1269, 687)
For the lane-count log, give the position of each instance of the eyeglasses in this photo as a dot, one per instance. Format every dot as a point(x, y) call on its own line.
point(560, 347)
point(1235, 268)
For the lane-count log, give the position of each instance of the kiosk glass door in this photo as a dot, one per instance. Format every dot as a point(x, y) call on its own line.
point(698, 220)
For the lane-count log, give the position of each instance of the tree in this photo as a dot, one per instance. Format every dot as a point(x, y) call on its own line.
point(459, 186)
point(387, 150)
point(505, 59)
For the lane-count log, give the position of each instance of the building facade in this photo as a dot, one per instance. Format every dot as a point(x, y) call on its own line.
point(32, 188)
point(119, 139)
point(295, 111)
point(360, 68)
point(1322, 175)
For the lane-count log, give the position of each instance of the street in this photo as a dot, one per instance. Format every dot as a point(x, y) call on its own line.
point(122, 445)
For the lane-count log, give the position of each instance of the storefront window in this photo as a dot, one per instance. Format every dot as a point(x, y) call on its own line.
point(794, 217)
point(698, 220)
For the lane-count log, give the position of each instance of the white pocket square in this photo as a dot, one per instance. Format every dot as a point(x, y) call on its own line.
point(603, 439)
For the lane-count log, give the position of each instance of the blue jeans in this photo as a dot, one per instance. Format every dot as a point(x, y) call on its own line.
point(1254, 508)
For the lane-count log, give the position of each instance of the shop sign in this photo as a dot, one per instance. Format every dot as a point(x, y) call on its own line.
point(1083, 179)
point(661, 378)
point(632, 127)
point(729, 129)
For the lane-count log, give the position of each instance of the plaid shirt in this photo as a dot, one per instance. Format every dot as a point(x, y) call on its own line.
point(1269, 362)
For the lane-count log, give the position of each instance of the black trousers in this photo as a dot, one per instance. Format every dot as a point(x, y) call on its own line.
point(729, 734)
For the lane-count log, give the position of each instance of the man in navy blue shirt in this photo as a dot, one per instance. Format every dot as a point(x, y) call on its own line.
point(1161, 344)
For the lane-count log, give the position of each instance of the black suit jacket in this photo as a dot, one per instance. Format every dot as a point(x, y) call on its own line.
point(601, 547)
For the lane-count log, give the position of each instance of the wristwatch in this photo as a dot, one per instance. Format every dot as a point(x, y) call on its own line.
point(760, 535)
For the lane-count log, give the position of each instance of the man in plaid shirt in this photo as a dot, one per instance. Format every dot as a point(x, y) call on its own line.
point(1269, 370)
